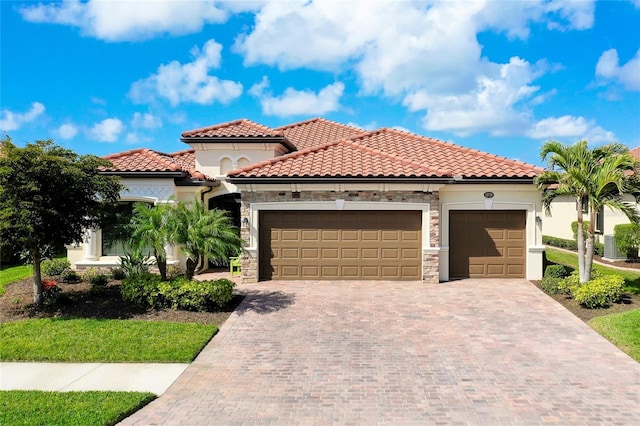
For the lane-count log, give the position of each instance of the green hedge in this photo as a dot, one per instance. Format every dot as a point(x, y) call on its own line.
point(149, 291)
point(598, 248)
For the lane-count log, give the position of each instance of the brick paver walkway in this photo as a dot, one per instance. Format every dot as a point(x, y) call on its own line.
point(466, 352)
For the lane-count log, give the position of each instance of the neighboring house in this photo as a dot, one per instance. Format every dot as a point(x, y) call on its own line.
point(557, 223)
point(321, 200)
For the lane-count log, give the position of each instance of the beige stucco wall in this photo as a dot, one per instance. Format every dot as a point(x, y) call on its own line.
point(563, 212)
point(209, 156)
point(506, 197)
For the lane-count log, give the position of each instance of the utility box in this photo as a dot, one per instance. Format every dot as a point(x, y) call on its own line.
point(611, 250)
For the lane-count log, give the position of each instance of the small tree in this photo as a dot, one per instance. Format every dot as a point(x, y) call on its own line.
point(199, 233)
point(601, 176)
point(149, 226)
point(50, 196)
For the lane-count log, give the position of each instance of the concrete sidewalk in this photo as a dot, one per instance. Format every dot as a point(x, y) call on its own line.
point(155, 378)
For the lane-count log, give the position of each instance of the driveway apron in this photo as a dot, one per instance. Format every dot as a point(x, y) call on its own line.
point(401, 353)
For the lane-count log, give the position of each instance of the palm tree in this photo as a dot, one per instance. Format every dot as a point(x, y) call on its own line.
point(149, 226)
point(200, 233)
point(599, 177)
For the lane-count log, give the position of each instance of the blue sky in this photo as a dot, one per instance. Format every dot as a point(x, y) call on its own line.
point(102, 77)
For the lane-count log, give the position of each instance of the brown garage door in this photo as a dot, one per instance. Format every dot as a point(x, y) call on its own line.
point(487, 244)
point(341, 245)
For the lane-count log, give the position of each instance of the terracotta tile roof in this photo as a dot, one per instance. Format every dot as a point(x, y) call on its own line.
point(234, 129)
point(317, 131)
point(635, 153)
point(147, 160)
point(389, 153)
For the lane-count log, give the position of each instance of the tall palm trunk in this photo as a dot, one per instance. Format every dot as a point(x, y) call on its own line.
point(584, 277)
point(588, 264)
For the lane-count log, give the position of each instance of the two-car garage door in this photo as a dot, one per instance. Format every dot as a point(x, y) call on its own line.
point(347, 245)
point(386, 245)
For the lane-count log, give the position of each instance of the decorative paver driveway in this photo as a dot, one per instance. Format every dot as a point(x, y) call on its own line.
point(466, 352)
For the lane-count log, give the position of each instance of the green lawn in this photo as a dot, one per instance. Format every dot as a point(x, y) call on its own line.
point(93, 340)
point(11, 274)
point(632, 279)
point(27, 408)
point(622, 329)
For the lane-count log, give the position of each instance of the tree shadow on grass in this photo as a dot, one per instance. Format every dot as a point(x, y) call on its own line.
point(265, 302)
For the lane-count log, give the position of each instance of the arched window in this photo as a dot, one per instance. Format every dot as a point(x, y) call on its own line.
point(225, 166)
point(243, 162)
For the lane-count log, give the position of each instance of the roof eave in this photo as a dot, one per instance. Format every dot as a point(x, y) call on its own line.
point(145, 174)
point(375, 179)
point(240, 139)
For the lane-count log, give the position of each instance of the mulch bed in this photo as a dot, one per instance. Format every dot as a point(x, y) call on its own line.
point(79, 302)
point(628, 302)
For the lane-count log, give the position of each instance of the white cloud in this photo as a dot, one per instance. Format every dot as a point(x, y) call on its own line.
point(108, 130)
point(569, 127)
point(628, 75)
point(298, 102)
point(190, 82)
point(490, 107)
point(67, 131)
point(372, 125)
point(128, 20)
point(426, 53)
point(146, 121)
point(14, 120)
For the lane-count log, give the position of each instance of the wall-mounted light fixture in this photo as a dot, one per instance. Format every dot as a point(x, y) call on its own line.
point(538, 220)
point(245, 222)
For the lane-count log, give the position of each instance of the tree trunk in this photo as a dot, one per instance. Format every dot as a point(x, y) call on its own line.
point(588, 261)
point(191, 268)
point(162, 265)
point(38, 290)
point(581, 249)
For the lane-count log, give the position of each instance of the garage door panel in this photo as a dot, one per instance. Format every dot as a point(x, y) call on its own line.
point(289, 253)
point(370, 253)
point(289, 235)
point(390, 253)
point(330, 253)
point(487, 244)
point(310, 253)
point(340, 245)
point(349, 253)
point(330, 235)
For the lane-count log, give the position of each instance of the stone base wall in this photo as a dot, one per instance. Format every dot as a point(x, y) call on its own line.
point(430, 259)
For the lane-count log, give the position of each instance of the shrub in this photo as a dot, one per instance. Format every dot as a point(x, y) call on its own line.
point(599, 292)
point(550, 284)
point(51, 292)
point(574, 228)
point(560, 242)
point(142, 290)
point(179, 293)
point(627, 238)
point(70, 276)
point(52, 267)
point(99, 280)
point(570, 283)
point(135, 263)
point(173, 271)
point(556, 271)
point(118, 274)
point(598, 248)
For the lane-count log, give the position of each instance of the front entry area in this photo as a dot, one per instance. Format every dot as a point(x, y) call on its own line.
point(487, 244)
point(340, 245)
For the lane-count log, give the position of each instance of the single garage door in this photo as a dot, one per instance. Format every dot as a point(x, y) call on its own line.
point(487, 244)
point(346, 245)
